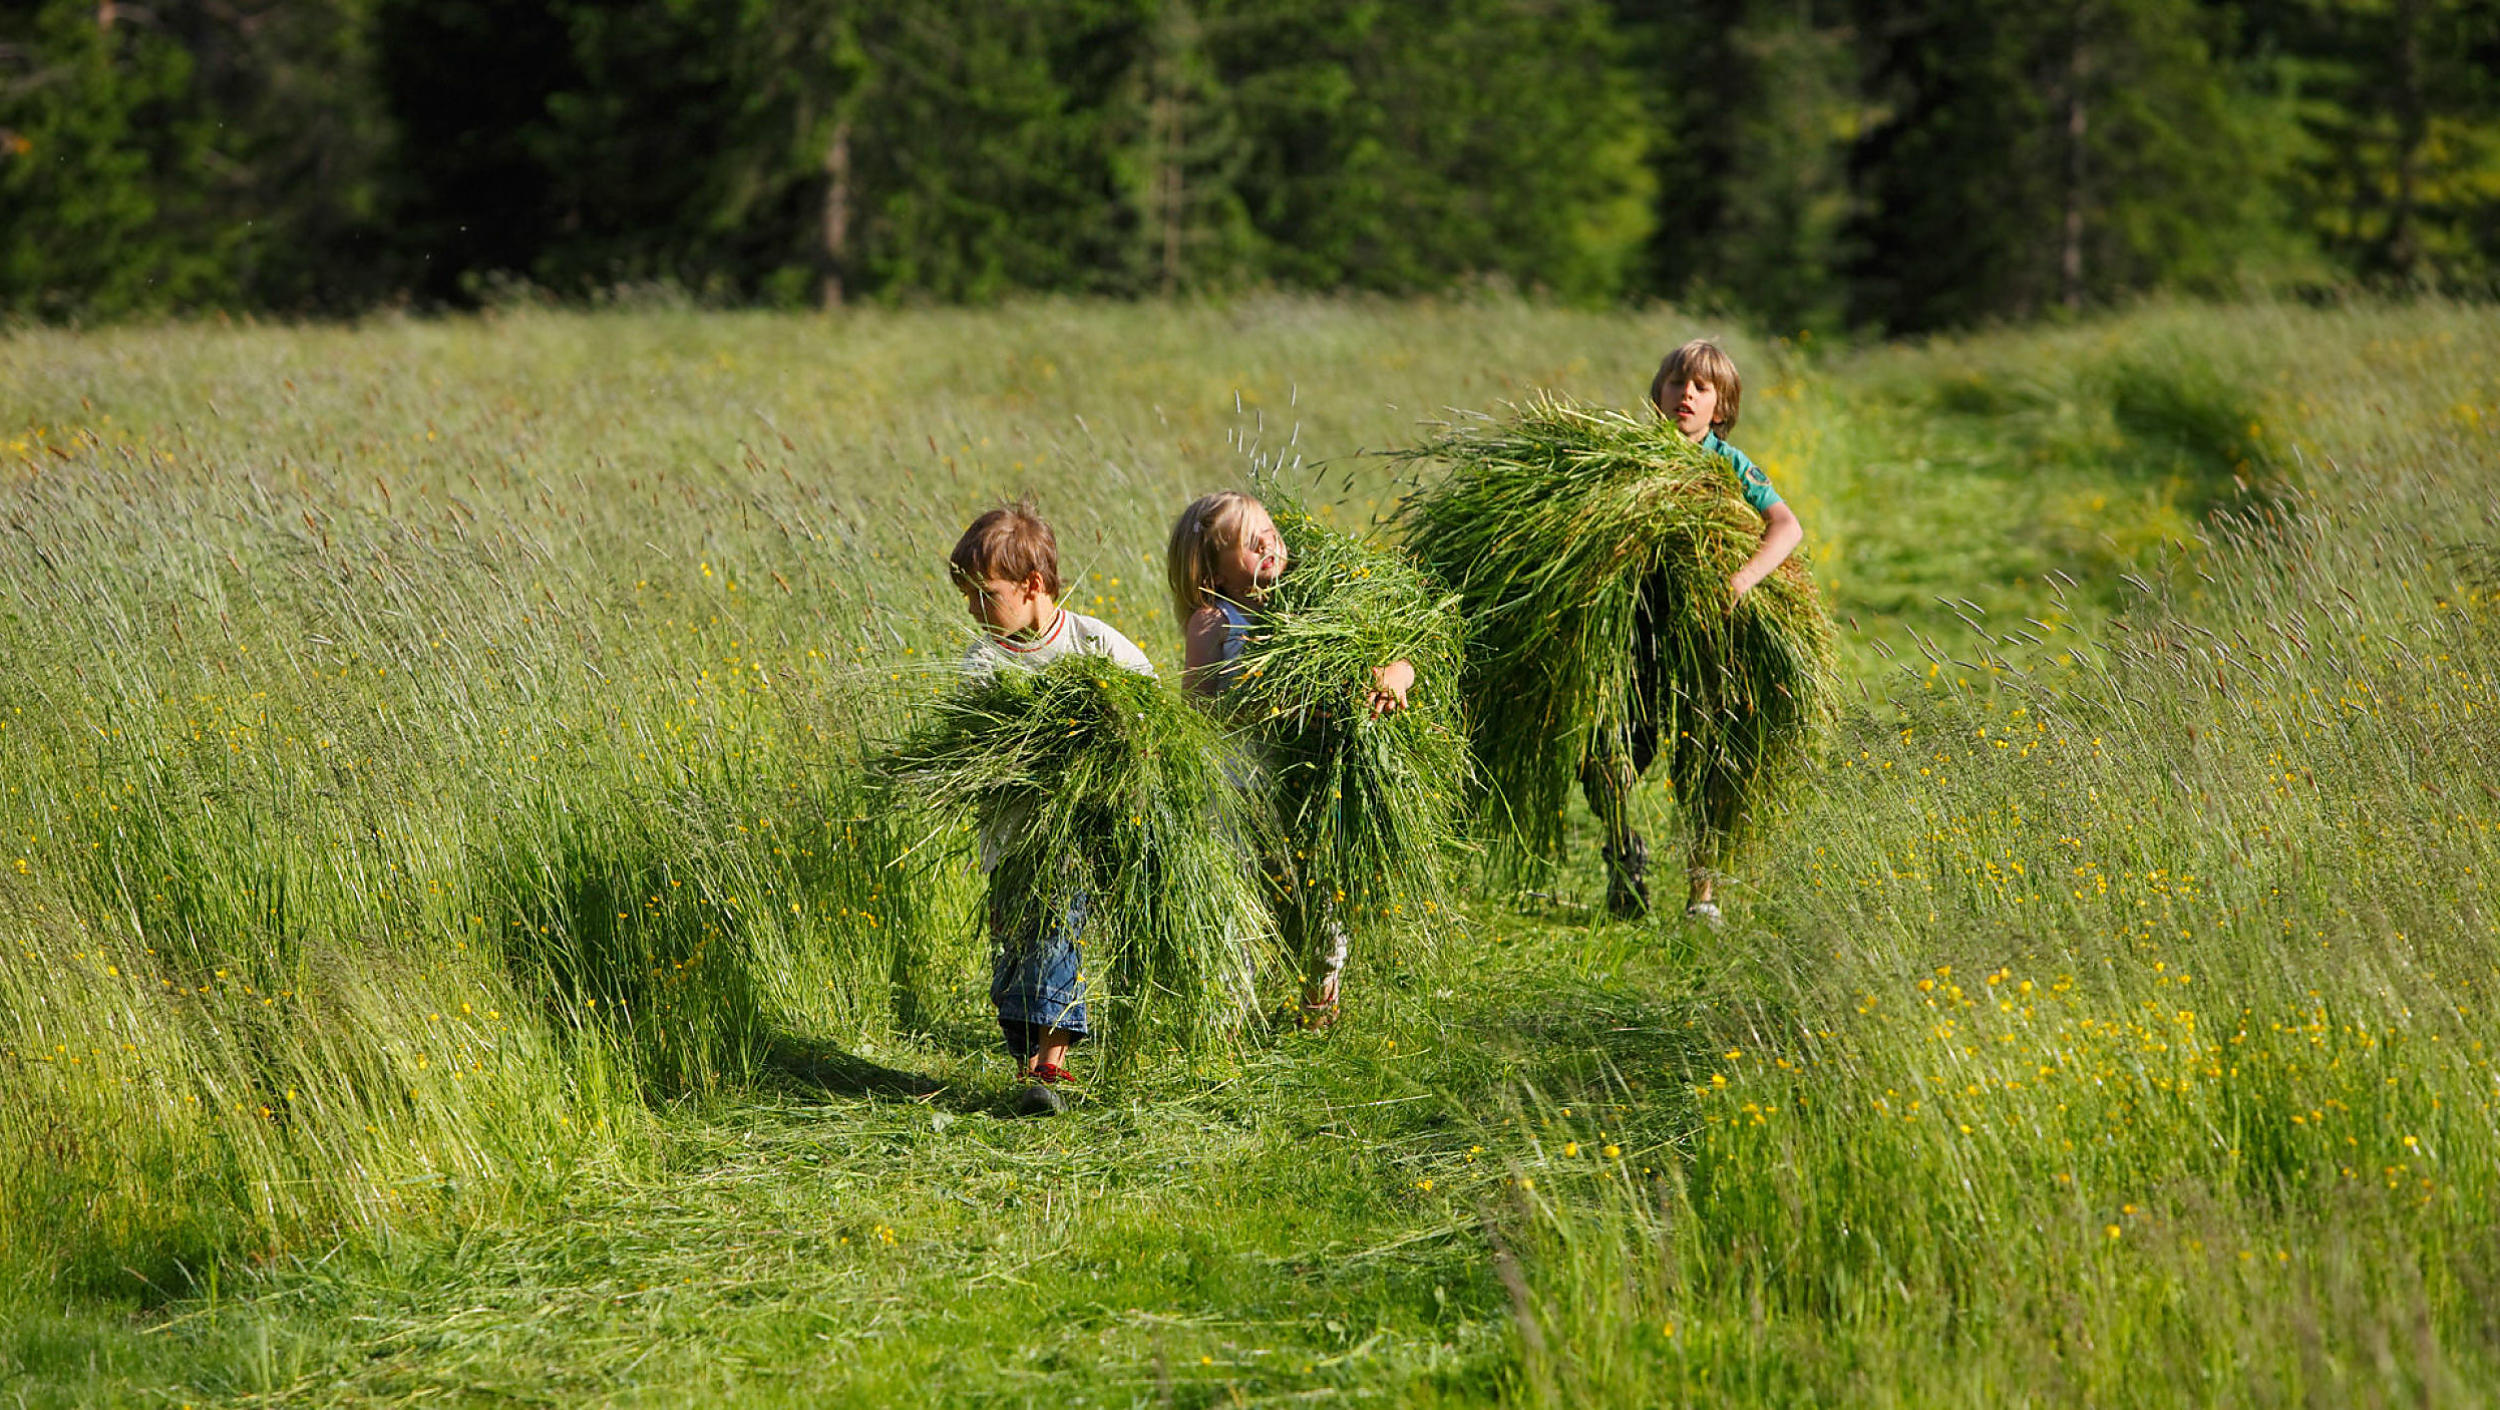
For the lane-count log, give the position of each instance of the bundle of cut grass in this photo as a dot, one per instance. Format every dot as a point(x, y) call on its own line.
point(1367, 806)
point(1087, 778)
point(1560, 528)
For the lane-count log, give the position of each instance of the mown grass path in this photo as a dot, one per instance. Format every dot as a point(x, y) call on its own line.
point(1309, 1223)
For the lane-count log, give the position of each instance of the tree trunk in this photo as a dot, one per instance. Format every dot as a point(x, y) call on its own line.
point(837, 226)
point(2412, 127)
point(2070, 253)
point(1169, 179)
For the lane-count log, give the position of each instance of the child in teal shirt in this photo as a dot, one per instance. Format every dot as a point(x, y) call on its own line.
point(1697, 387)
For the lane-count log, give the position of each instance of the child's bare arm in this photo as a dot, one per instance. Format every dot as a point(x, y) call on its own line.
point(1202, 650)
point(1781, 533)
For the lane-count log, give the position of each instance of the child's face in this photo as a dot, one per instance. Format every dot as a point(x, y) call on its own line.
point(1693, 407)
point(1008, 607)
point(1245, 571)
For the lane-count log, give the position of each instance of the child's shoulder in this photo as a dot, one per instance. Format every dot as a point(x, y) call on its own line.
point(1725, 449)
point(1217, 613)
point(1093, 634)
point(1750, 479)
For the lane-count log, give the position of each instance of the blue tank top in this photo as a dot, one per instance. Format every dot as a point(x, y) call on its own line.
point(1237, 625)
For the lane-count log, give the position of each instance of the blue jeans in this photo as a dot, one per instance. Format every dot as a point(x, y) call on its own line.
point(1037, 980)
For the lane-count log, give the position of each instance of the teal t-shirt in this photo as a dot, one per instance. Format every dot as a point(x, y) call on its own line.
point(1750, 481)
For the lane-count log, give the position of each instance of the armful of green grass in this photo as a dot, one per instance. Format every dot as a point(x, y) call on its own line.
point(1572, 537)
point(1114, 787)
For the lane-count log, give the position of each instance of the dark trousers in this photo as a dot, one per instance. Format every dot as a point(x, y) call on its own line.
point(1618, 759)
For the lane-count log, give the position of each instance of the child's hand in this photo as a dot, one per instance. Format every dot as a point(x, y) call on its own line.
point(1389, 686)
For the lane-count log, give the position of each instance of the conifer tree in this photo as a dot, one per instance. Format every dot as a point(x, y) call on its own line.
point(103, 170)
point(1757, 105)
point(2043, 158)
point(2402, 181)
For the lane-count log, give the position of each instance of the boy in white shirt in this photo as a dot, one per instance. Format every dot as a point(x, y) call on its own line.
point(1007, 567)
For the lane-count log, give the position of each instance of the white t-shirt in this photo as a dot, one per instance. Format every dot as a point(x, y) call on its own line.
point(1074, 634)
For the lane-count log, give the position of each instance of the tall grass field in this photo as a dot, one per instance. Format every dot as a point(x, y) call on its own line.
point(452, 956)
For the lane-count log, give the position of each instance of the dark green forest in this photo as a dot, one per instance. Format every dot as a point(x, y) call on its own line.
point(1844, 165)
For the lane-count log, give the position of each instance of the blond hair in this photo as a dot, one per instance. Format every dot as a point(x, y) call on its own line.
point(1208, 529)
point(1700, 361)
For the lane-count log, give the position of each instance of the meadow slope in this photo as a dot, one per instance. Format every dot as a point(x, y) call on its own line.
point(450, 956)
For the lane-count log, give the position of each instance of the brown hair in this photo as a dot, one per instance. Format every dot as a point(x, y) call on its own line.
point(1010, 542)
point(1700, 361)
point(1206, 530)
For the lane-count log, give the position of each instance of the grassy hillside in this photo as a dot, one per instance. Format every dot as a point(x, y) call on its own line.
point(450, 956)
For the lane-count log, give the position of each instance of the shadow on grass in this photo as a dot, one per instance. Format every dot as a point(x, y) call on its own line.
point(807, 1063)
point(2188, 420)
point(2135, 417)
point(1976, 485)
